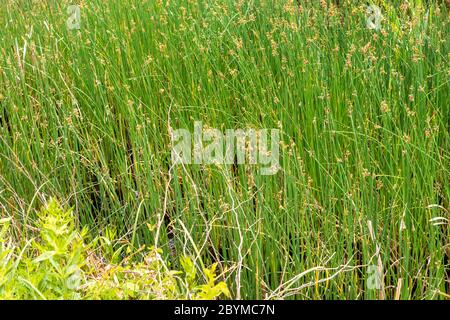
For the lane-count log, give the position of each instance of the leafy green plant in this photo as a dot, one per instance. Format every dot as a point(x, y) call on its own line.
point(207, 291)
point(57, 264)
point(6, 259)
point(56, 271)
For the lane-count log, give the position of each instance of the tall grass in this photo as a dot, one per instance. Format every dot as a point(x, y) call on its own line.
point(86, 116)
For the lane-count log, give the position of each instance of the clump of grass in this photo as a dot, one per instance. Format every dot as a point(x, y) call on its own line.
point(85, 115)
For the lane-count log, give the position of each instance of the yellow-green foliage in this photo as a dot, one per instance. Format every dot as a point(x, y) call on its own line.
point(58, 264)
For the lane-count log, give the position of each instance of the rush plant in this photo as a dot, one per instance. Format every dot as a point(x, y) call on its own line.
point(91, 93)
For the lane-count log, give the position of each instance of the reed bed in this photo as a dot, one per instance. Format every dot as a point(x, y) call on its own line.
point(363, 188)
